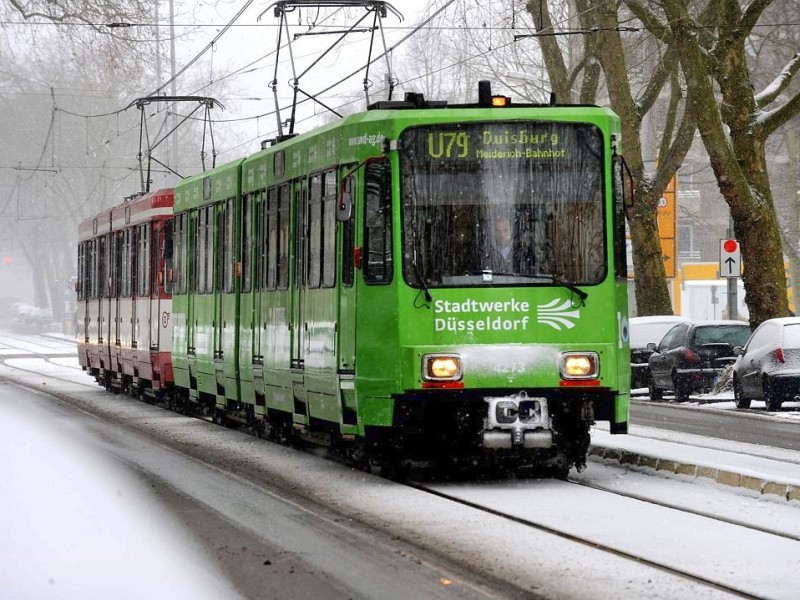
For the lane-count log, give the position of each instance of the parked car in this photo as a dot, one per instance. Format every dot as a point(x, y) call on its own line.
point(691, 356)
point(644, 331)
point(29, 315)
point(768, 366)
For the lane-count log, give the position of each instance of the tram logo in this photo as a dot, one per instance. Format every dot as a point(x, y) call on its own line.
point(558, 316)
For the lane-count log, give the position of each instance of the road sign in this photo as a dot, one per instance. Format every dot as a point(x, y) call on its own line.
point(730, 258)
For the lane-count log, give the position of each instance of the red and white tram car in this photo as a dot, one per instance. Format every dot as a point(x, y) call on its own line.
point(124, 294)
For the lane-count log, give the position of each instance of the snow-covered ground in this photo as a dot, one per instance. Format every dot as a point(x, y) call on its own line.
point(762, 564)
point(75, 525)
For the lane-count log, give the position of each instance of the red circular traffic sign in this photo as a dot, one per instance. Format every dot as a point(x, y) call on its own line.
point(729, 246)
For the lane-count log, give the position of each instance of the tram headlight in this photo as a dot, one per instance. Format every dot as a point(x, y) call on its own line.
point(441, 367)
point(579, 365)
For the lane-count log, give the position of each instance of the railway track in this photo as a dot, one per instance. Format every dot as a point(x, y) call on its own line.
point(473, 496)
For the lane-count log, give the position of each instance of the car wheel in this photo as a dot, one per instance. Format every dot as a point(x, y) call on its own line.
point(656, 395)
point(738, 395)
point(682, 389)
point(772, 400)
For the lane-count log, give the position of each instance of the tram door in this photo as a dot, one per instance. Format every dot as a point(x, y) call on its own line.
point(299, 286)
point(346, 214)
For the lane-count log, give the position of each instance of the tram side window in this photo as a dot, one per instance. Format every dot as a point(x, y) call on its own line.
point(126, 266)
point(329, 229)
point(283, 237)
point(226, 221)
point(116, 254)
point(143, 260)
point(378, 266)
point(200, 251)
point(169, 254)
point(301, 235)
point(94, 269)
point(210, 249)
point(314, 230)
point(623, 186)
point(111, 264)
point(272, 239)
point(81, 270)
point(247, 243)
point(259, 207)
point(204, 250)
point(156, 247)
point(179, 272)
point(102, 267)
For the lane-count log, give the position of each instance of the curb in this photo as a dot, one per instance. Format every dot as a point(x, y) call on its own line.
point(724, 477)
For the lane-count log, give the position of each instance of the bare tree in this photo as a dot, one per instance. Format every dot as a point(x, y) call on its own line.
point(71, 139)
point(735, 122)
point(632, 93)
point(100, 35)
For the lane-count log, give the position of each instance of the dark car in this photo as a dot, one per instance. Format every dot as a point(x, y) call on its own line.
point(768, 367)
point(644, 331)
point(691, 356)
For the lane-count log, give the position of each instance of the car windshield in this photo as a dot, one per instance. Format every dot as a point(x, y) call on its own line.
point(735, 335)
point(515, 203)
point(645, 333)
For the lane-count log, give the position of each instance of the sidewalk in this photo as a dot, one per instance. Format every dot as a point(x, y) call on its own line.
point(761, 469)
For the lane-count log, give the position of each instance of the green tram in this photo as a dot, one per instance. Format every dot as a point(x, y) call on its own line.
point(415, 282)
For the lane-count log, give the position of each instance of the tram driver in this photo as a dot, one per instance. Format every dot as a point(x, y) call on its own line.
point(500, 246)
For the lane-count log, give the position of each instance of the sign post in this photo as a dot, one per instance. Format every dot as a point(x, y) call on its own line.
point(730, 266)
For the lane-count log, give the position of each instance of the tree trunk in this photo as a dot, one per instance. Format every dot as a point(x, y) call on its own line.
point(737, 158)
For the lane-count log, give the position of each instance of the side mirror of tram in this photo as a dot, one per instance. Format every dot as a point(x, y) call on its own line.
point(344, 208)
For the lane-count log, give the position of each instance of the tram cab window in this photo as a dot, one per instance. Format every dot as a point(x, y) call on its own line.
point(543, 180)
point(378, 264)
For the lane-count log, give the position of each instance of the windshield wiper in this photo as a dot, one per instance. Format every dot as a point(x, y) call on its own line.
point(424, 285)
point(567, 284)
point(554, 278)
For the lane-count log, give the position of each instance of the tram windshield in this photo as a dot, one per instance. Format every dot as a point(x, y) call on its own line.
point(502, 203)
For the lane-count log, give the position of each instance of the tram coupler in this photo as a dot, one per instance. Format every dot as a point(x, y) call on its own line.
point(517, 421)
